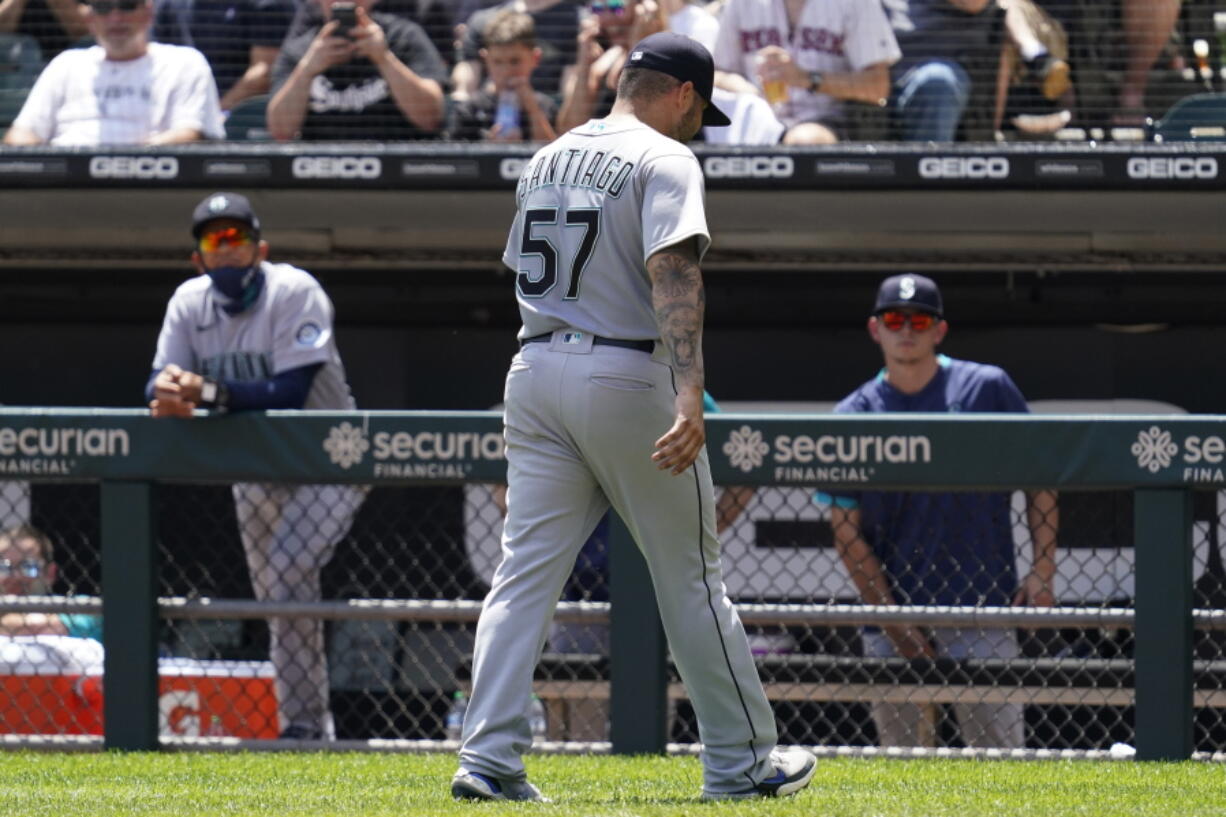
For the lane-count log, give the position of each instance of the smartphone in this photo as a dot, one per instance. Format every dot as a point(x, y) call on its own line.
point(345, 15)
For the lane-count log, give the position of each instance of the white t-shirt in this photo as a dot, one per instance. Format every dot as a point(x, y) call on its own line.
point(753, 120)
point(289, 326)
point(835, 36)
point(593, 206)
point(83, 99)
point(697, 24)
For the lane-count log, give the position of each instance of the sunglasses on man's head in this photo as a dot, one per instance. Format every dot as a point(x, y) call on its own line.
point(228, 237)
point(607, 7)
point(895, 320)
point(105, 7)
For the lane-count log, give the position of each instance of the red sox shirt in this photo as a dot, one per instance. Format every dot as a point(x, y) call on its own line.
point(833, 36)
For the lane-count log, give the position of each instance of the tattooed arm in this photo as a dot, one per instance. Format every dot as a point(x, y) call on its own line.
point(678, 298)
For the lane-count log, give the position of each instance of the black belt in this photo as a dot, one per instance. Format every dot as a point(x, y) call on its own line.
point(647, 346)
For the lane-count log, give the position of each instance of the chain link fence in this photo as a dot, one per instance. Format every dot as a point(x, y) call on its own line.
point(931, 679)
point(1103, 69)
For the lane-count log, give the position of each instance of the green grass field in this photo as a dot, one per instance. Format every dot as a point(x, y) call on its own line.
point(284, 785)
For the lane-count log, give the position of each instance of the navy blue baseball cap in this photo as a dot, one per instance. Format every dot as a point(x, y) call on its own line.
point(224, 205)
point(685, 59)
point(909, 291)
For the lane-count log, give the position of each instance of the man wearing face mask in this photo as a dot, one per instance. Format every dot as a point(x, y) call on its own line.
point(247, 334)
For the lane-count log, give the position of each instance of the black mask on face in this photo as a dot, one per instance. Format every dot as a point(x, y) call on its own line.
point(240, 286)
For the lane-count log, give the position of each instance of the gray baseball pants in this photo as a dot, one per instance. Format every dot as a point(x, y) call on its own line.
point(581, 426)
point(289, 533)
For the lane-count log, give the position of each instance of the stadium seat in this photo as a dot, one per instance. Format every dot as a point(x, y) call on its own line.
point(247, 121)
point(21, 61)
point(1200, 116)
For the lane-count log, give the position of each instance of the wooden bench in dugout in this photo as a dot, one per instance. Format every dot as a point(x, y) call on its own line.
point(574, 686)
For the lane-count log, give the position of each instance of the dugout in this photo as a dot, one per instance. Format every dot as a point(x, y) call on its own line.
point(1087, 271)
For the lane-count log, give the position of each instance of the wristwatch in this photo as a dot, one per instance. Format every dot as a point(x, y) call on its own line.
point(815, 81)
point(213, 394)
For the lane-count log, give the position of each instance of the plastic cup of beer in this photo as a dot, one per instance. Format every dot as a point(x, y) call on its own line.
point(775, 90)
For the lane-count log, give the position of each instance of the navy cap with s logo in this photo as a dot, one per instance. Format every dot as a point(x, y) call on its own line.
point(685, 59)
point(909, 291)
point(224, 205)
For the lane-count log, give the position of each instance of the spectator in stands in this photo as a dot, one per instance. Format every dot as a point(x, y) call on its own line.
point(938, 548)
point(239, 38)
point(602, 54)
point(942, 41)
point(753, 120)
point(556, 23)
point(53, 24)
point(381, 80)
point(694, 21)
point(1147, 26)
point(27, 568)
point(122, 91)
point(806, 57)
point(1035, 81)
point(508, 109)
point(931, 85)
point(590, 85)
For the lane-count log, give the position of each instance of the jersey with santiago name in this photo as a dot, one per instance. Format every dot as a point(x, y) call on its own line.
point(593, 206)
point(832, 36)
point(289, 326)
point(941, 548)
point(83, 99)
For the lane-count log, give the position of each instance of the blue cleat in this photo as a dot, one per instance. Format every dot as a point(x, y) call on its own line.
point(468, 785)
point(794, 769)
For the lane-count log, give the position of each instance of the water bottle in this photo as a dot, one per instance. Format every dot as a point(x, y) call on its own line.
point(455, 715)
point(537, 719)
point(506, 117)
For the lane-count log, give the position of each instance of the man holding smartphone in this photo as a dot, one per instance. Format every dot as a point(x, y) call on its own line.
point(358, 75)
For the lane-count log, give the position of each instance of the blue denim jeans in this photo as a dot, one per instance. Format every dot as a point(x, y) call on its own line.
point(928, 100)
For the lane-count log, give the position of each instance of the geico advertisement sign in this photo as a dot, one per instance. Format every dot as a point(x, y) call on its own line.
point(1172, 167)
point(749, 167)
point(337, 167)
point(133, 167)
point(964, 167)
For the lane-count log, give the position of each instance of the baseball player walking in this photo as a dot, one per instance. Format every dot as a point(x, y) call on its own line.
point(247, 334)
point(604, 408)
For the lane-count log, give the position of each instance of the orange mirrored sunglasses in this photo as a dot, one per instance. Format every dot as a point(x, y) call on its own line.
point(228, 237)
point(895, 320)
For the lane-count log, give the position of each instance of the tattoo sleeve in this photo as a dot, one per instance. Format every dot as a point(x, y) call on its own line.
point(679, 300)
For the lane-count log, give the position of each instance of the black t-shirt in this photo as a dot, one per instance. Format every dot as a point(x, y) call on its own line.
point(470, 119)
point(39, 21)
point(934, 29)
point(223, 30)
point(353, 101)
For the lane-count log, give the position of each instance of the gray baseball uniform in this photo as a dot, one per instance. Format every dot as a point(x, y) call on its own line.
point(288, 532)
point(582, 418)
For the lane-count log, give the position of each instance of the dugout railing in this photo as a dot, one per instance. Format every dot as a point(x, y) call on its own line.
point(1162, 675)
